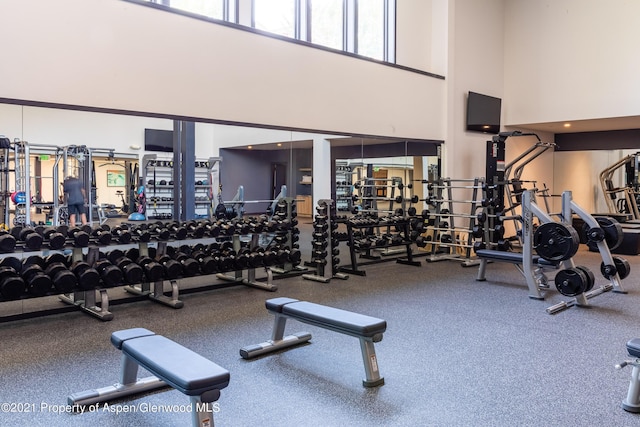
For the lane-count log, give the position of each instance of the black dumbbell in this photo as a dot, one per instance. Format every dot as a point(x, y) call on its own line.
point(196, 230)
point(7, 242)
point(12, 286)
point(178, 231)
point(226, 229)
point(132, 273)
point(152, 270)
point(31, 238)
point(172, 268)
point(111, 275)
point(208, 264)
point(55, 237)
point(159, 231)
point(36, 281)
point(80, 237)
point(122, 233)
point(102, 234)
point(64, 281)
point(88, 277)
point(141, 234)
point(190, 267)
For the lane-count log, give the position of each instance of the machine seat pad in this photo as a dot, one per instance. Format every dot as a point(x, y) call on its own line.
point(338, 320)
point(633, 347)
point(503, 256)
point(181, 368)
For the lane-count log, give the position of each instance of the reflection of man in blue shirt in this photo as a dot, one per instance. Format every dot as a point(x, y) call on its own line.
point(76, 196)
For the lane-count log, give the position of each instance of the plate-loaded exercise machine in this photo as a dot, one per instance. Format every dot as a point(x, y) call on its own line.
point(622, 200)
point(556, 243)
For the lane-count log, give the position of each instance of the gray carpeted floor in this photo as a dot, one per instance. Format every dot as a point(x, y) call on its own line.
point(456, 353)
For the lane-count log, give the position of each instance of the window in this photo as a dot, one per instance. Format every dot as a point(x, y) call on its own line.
point(217, 9)
point(370, 28)
point(275, 16)
point(327, 23)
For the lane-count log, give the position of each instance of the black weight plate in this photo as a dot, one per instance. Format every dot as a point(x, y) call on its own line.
point(591, 278)
point(7, 243)
point(64, 281)
point(571, 282)
point(555, 241)
point(39, 285)
point(613, 234)
point(12, 287)
point(12, 262)
point(622, 266)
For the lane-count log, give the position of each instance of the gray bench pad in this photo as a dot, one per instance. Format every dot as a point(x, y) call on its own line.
point(335, 319)
point(512, 257)
point(181, 368)
point(633, 347)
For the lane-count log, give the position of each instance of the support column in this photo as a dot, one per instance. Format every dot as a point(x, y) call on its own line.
point(322, 170)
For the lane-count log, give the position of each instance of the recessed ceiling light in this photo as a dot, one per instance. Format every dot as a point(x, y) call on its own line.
point(567, 125)
point(279, 144)
point(485, 127)
point(249, 147)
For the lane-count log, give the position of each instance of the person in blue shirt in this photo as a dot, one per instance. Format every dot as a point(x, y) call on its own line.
point(76, 198)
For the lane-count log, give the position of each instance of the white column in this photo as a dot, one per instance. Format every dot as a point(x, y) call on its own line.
point(322, 169)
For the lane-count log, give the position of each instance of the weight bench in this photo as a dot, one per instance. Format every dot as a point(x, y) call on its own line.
point(532, 271)
point(367, 329)
point(632, 401)
point(171, 365)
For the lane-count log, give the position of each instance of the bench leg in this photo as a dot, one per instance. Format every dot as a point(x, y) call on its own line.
point(632, 402)
point(482, 270)
point(370, 364)
point(278, 340)
point(201, 412)
point(129, 384)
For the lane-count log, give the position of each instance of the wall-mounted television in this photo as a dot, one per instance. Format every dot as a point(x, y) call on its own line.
point(158, 140)
point(483, 113)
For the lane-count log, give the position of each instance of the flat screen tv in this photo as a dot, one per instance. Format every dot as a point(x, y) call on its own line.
point(483, 113)
point(158, 140)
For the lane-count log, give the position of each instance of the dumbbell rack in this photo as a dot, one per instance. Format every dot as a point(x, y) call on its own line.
point(325, 219)
point(155, 290)
point(251, 272)
point(401, 223)
point(444, 201)
point(86, 300)
point(291, 242)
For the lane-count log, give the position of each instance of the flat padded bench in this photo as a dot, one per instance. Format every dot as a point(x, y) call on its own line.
point(171, 365)
point(367, 329)
point(503, 256)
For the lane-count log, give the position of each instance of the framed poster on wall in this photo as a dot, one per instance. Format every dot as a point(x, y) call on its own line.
point(115, 178)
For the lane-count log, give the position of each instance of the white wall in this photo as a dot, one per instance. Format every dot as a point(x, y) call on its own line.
point(571, 60)
point(125, 56)
point(475, 63)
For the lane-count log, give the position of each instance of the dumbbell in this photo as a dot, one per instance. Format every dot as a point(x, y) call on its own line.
point(102, 234)
point(152, 270)
point(36, 281)
point(12, 286)
point(122, 233)
point(226, 229)
point(211, 229)
point(270, 257)
point(172, 268)
point(179, 232)
point(208, 264)
point(140, 233)
point(55, 237)
point(196, 230)
point(132, 273)
point(111, 274)
point(160, 232)
point(80, 237)
point(294, 256)
point(31, 238)
point(88, 277)
point(64, 281)
point(190, 267)
point(7, 242)
point(241, 226)
point(255, 225)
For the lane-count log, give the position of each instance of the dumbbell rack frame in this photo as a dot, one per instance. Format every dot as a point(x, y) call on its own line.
point(251, 272)
point(86, 300)
point(321, 274)
point(155, 290)
point(446, 184)
point(288, 268)
point(353, 268)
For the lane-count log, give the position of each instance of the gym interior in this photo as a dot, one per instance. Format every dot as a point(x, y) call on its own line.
point(453, 183)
